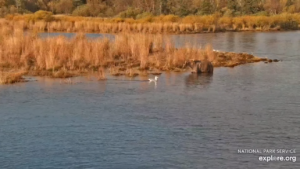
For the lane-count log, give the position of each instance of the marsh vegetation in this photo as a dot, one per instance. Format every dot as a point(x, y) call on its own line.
point(127, 54)
point(42, 21)
point(152, 16)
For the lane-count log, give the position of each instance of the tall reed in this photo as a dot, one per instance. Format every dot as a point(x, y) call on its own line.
point(63, 57)
point(156, 24)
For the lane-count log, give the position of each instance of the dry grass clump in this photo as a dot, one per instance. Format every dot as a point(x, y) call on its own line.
point(230, 59)
point(37, 16)
point(62, 74)
point(45, 21)
point(101, 74)
point(11, 77)
point(131, 73)
point(127, 54)
point(115, 71)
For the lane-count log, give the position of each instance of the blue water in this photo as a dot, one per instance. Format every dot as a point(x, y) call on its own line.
point(182, 121)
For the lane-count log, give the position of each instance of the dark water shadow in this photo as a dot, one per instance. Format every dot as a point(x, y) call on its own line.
point(198, 80)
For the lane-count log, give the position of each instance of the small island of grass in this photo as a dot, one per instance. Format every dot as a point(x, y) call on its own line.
point(128, 54)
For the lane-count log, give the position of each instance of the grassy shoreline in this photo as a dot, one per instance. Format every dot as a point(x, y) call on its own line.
point(166, 24)
point(129, 55)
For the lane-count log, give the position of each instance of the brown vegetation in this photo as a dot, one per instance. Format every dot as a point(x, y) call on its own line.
point(144, 8)
point(11, 77)
point(128, 54)
point(44, 21)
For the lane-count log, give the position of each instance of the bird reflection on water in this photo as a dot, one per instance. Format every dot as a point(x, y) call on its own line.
point(198, 80)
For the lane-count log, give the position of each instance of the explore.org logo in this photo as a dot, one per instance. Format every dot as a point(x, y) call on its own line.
point(270, 155)
point(277, 158)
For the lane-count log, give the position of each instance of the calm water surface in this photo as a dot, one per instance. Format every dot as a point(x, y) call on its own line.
point(182, 121)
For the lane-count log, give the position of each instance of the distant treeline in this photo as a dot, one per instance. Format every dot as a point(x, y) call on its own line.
point(137, 9)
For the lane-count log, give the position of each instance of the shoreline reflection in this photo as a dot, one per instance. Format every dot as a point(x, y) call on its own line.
point(194, 80)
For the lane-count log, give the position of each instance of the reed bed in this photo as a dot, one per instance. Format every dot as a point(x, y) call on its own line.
point(154, 24)
point(11, 77)
point(127, 54)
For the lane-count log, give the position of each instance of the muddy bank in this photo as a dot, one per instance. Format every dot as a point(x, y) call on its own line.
point(230, 59)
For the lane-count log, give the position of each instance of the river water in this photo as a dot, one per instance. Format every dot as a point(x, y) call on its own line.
point(182, 121)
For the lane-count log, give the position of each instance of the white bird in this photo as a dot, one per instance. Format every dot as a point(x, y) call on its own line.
point(153, 80)
point(67, 81)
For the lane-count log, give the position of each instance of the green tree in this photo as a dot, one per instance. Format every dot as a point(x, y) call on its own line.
point(43, 4)
point(289, 3)
point(77, 3)
point(206, 7)
point(179, 7)
point(10, 2)
point(2, 3)
point(64, 6)
point(233, 5)
point(272, 6)
point(20, 5)
point(163, 9)
point(31, 5)
point(250, 6)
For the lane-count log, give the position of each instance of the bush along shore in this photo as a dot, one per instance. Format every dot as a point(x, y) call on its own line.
point(128, 54)
point(43, 21)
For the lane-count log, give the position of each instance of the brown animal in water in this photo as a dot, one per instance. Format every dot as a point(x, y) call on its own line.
point(198, 66)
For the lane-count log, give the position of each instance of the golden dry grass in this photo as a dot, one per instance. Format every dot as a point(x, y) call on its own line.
point(154, 24)
point(127, 54)
point(11, 77)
